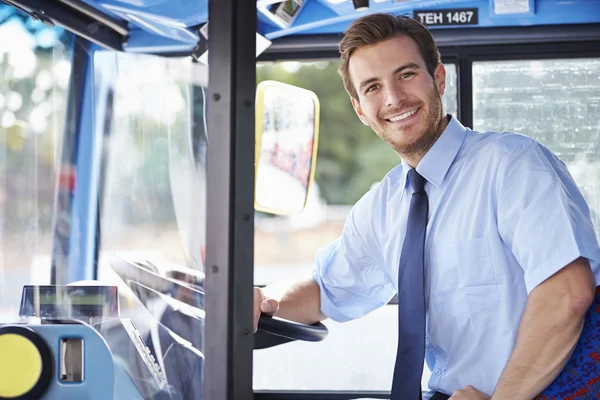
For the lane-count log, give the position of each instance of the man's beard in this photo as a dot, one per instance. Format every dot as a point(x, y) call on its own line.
point(433, 122)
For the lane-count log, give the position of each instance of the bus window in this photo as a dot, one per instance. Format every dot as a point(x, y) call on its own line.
point(149, 159)
point(351, 159)
point(450, 98)
point(152, 217)
point(35, 69)
point(555, 102)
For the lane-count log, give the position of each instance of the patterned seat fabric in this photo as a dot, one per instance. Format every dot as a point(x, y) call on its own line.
point(580, 379)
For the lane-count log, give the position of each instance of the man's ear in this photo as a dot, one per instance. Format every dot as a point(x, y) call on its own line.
point(439, 77)
point(358, 110)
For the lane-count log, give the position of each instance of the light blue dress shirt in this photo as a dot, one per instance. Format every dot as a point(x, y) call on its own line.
point(504, 215)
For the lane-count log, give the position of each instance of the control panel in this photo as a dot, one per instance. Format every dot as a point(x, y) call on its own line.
point(73, 344)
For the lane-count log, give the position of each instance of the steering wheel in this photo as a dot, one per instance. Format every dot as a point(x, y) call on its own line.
point(192, 294)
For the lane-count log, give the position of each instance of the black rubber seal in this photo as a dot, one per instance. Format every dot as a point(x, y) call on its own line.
point(41, 386)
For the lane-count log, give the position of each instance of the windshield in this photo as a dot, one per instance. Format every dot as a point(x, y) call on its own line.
point(152, 208)
point(148, 198)
point(35, 65)
point(138, 328)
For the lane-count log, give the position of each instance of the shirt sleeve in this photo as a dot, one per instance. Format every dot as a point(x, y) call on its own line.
point(542, 216)
point(351, 280)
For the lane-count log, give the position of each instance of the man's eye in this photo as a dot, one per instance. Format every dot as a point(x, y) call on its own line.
point(371, 88)
point(406, 75)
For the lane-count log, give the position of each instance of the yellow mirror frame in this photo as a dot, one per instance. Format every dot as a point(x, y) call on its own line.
point(259, 115)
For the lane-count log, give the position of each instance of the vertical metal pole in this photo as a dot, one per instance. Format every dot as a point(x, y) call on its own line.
point(230, 200)
point(66, 184)
point(465, 91)
point(84, 216)
point(76, 221)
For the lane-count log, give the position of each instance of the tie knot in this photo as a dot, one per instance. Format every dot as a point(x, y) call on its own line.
point(417, 181)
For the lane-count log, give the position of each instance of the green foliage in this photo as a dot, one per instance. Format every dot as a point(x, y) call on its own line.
point(351, 157)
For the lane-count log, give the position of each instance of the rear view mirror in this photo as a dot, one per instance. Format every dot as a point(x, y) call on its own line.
point(287, 133)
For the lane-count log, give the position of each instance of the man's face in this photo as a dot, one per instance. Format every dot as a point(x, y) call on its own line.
point(397, 97)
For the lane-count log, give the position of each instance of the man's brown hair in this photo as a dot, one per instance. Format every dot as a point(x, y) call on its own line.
point(380, 27)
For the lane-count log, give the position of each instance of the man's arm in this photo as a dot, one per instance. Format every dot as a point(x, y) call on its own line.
point(549, 330)
point(298, 301)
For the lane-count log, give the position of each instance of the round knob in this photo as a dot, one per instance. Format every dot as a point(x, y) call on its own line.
point(26, 364)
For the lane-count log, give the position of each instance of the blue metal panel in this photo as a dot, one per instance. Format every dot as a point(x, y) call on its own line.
point(546, 12)
point(104, 377)
point(98, 79)
point(158, 20)
point(168, 25)
point(99, 374)
point(169, 18)
point(64, 209)
point(142, 41)
point(93, 3)
point(175, 12)
point(162, 27)
point(82, 222)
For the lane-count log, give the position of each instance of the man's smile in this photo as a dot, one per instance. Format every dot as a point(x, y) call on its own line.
point(403, 116)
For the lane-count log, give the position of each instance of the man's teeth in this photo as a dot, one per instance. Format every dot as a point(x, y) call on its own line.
point(403, 116)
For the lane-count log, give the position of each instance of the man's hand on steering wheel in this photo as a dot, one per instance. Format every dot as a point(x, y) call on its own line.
point(263, 305)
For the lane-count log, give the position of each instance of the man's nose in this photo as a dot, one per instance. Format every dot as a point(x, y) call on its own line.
point(394, 96)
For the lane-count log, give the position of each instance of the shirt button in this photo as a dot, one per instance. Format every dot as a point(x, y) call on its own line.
point(438, 372)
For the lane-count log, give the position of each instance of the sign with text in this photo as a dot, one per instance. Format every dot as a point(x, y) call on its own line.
point(461, 16)
point(512, 6)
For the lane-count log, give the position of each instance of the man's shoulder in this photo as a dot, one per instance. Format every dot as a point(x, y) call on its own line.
point(509, 149)
point(492, 145)
point(502, 141)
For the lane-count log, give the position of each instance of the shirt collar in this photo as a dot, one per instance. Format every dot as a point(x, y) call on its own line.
point(437, 161)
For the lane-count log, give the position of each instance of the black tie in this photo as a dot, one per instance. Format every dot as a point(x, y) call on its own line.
point(411, 298)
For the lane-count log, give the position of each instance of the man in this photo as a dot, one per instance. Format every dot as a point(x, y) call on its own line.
point(511, 260)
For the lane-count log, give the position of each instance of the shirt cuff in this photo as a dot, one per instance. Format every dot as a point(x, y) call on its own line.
point(328, 308)
point(534, 277)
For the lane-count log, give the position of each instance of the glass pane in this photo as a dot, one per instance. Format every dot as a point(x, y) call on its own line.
point(34, 69)
point(152, 214)
point(450, 98)
point(351, 158)
point(556, 102)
